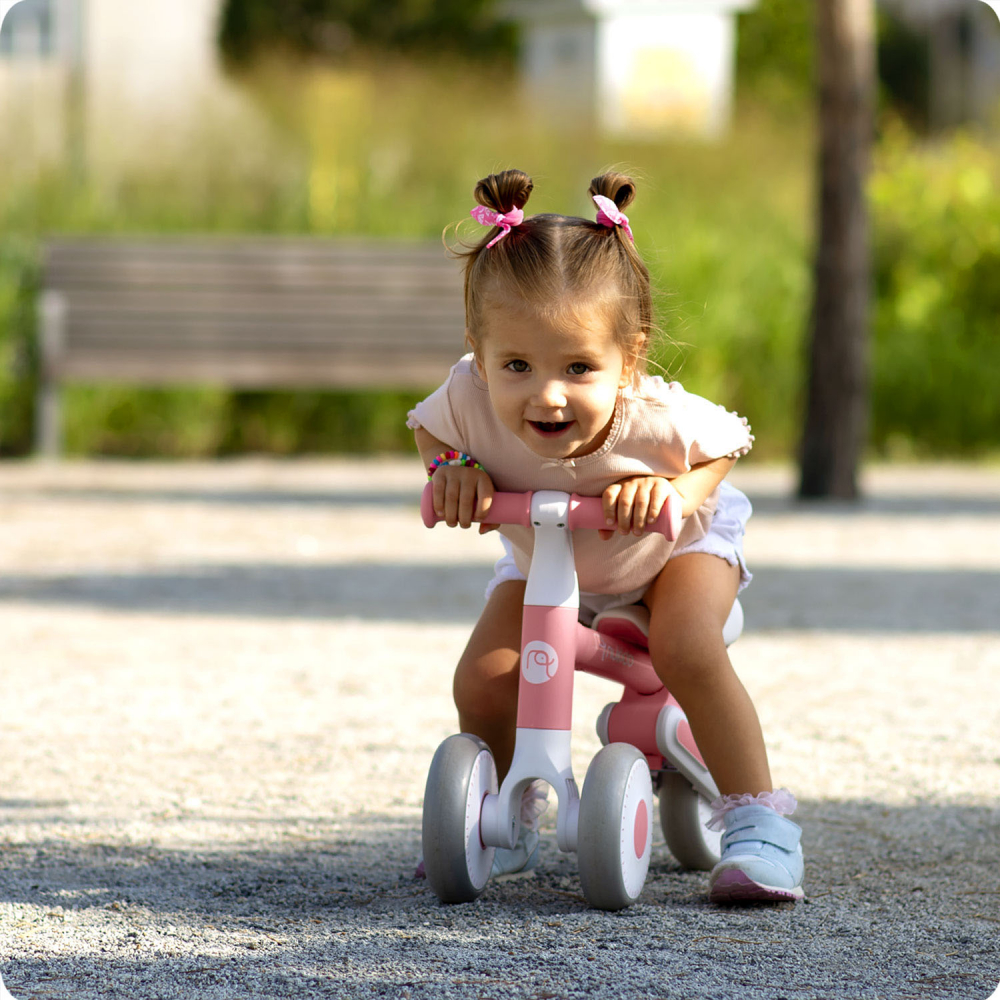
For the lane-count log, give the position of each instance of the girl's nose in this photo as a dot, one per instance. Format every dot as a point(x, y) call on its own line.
point(551, 393)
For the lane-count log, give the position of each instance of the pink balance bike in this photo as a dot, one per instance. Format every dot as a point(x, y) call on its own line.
point(646, 736)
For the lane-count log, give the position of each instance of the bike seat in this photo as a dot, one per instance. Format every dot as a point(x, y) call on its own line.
point(631, 624)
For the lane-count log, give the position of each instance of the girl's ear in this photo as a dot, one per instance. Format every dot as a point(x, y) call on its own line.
point(477, 356)
point(628, 372)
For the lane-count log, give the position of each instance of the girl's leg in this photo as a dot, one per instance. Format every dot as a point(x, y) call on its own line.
point(486, 678)
point(689, 602)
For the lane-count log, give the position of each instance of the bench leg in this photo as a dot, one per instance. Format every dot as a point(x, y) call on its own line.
point(48, 409)
point(48, 421)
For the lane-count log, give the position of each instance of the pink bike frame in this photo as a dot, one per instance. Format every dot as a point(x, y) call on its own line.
point(553, 645)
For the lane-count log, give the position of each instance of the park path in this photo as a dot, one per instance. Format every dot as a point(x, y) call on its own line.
point(221, 685)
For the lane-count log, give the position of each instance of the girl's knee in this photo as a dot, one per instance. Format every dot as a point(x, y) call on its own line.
point(688, 654)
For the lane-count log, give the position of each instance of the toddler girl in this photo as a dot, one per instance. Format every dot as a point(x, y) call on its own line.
point(554, 396)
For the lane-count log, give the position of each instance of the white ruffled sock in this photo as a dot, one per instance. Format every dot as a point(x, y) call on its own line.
point(534, 802)
point(780, 800)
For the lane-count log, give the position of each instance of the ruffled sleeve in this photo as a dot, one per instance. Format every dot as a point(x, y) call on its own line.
point(437, 416)
point(700, 429)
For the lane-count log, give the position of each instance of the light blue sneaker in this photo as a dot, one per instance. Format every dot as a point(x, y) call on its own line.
point(761, 858)
point(523, 856)
point(519, 859)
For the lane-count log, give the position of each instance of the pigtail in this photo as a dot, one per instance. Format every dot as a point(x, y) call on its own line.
point(620, 188)
point(504, 191)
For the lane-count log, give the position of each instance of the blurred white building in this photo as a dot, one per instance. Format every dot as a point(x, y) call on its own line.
point(632, 67)
point(124, 77)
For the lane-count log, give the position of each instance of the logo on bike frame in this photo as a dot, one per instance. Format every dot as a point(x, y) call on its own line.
point(539, 662)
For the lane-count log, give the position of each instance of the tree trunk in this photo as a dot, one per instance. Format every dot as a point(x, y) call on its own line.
point(837, 406)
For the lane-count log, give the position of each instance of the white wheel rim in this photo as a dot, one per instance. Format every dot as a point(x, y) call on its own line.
point(482, 781)
point(636, 828)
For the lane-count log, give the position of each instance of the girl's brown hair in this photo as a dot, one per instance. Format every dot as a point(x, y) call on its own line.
point(551, 262)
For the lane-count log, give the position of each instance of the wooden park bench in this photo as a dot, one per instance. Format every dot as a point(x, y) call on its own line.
point(244, 312)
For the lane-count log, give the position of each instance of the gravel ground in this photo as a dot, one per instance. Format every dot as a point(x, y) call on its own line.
point(222, 685)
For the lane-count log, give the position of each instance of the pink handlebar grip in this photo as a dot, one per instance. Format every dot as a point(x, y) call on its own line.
point(584, 512)
point(588, 512)
point(510, 508)
point(507, 508)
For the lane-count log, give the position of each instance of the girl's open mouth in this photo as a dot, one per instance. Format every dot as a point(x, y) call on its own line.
point(550, 428)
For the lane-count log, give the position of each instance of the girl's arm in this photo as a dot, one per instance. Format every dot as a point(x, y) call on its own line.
point(460, 493)
point(633, 502)
point(697, 484)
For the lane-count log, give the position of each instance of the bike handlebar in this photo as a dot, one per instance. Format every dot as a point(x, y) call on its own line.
point(584, 512)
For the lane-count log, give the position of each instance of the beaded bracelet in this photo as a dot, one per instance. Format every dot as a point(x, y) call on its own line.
point(452, 458)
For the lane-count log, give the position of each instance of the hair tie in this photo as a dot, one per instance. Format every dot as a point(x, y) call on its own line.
point(505, 220)
point(609, 214)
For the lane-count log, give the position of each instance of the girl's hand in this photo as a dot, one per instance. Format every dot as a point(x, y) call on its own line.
point(633, 503)
point(462, 494)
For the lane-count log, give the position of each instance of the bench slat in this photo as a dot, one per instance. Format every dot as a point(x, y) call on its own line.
point(319, 306)
point(138, 262)
point(241, 246)
point(266, 329)
point(426, 280)
point(320, 370)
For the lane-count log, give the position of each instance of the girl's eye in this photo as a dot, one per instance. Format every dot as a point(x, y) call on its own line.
point(517, 365)
point(579, 368)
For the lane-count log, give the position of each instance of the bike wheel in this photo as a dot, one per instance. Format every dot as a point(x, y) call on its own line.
point(615, 832)
point(456, 861)
point(684, 814)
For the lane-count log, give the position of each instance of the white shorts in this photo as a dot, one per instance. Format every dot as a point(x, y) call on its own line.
point(724, 539)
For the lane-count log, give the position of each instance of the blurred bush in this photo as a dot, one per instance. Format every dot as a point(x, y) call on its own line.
point(198, 422)
point(18, 364)
point(774, 51)
point(936, 350)
point(904, 68)
point(338, 28)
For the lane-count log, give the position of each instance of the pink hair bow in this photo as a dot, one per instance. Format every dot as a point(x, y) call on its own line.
point(505, 220)
point(608, 214)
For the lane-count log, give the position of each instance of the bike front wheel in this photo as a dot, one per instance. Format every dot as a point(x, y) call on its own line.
point(615, 832)
point(456, 861)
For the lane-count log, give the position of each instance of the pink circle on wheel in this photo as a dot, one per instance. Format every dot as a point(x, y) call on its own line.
point(640, 829)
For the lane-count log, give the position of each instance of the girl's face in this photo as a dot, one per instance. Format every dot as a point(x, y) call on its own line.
point(554, 386)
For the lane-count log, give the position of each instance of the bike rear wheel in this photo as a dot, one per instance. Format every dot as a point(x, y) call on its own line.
point(684, 815)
